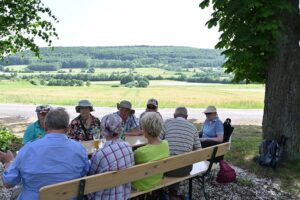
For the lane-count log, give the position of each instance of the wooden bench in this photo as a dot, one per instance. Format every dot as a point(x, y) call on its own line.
point(89, 184)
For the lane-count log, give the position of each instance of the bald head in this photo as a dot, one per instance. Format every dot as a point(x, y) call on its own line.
point(181, 112)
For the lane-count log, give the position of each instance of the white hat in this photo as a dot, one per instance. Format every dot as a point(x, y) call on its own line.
point(210, 109)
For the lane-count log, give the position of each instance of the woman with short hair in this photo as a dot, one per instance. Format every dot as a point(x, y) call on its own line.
point(156, 149)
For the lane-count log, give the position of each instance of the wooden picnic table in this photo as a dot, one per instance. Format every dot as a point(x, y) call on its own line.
point(134, 141)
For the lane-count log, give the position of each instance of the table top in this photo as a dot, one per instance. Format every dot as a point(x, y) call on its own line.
point(134, 141)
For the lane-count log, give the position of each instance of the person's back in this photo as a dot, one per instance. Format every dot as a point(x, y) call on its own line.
point(146, 154)
point(52, 159)
point(116, 154)
point(156, 149)
point(181, 135)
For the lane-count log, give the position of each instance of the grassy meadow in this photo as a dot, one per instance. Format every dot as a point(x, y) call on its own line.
point(169, 94)
point(143, 71)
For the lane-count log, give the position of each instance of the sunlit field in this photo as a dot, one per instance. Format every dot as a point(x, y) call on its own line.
point(169, 94)
point(136, 71)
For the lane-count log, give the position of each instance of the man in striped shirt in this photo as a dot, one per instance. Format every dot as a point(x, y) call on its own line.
point(182, 137)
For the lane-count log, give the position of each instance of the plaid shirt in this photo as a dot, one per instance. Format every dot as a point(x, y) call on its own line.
point(131, 123)
point(115, 155)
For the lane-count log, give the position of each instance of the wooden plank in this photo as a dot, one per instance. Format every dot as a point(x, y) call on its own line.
point(198, 169)
point(68, 189)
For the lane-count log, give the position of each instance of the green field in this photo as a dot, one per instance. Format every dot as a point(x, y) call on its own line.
point(137, 71)
point(169, 94)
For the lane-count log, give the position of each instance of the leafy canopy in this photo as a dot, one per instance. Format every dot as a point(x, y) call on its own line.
point(249, 32)
point(21, 23)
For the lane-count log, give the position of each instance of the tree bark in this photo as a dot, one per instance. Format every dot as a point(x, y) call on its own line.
point(282, 94)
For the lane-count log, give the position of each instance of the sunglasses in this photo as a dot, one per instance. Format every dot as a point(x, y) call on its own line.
point(151, 107)
point(208, 113)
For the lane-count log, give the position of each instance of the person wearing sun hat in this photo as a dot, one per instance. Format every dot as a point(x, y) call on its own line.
point(115, 154)
point(36, 130)
point(213, 130)
point(130, 122)
point(85, 125)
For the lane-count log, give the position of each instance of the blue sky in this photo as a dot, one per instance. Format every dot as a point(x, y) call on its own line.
point(132, 22)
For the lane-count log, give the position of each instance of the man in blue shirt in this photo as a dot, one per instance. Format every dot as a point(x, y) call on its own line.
point(49, 160)
point(37, 130)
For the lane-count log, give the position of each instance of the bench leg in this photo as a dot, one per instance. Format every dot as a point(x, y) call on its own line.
point(203, 187)
point(190, 188)
point(201, 180)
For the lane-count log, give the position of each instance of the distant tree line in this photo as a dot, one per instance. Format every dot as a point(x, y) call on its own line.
point(119, 57)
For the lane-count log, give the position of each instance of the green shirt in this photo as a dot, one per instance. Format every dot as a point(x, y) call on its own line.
point(33, 132)
point(147, 153)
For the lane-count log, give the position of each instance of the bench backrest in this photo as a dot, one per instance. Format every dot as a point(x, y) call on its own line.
point(69, 189)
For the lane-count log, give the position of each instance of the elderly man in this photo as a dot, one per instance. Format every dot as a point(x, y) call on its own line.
point(116, 154)
point(52, 159)
point(130, 122)
point(84, 126)
point(37, 129)
point(182, 137)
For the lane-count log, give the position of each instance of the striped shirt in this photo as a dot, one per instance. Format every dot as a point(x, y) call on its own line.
point(115, 155)
point(181, 135)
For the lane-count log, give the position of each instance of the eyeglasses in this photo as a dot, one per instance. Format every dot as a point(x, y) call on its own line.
point(151, 107)
point(208, 113)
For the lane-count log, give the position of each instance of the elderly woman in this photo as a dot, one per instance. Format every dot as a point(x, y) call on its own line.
point(116, 154)
point(36, 130)
point(85, 125)
point(213, 130)
point(156, 149)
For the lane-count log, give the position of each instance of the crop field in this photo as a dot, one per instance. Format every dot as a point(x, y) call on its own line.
point(169, 94)
point(137, 71)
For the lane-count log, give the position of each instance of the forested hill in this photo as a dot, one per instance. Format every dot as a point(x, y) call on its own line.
point(167, 57)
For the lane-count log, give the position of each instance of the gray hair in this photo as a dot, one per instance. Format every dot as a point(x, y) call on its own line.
point(57, 119)
point(181, 112)
point(152, 123)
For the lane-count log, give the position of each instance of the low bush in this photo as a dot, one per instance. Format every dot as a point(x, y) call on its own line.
point(8, 141)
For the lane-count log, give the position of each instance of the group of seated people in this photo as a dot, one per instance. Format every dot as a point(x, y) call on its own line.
point(58, 157)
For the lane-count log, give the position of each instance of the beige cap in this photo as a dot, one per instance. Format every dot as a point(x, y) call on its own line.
point(210, 109)
point(153, 102)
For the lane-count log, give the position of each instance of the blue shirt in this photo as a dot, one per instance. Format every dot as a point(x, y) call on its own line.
point(33, 132)
point(52, 159)
point(213, 128)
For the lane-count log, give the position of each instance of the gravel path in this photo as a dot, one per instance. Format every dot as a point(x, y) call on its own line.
point(238, 116)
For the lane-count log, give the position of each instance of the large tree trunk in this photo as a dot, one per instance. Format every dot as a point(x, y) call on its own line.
point(282, 95)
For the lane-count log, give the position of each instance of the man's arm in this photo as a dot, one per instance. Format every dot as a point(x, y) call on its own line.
point(11, 176)
point(219, 138)
point(135, 132)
